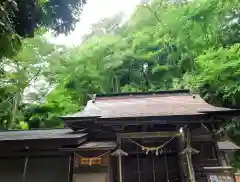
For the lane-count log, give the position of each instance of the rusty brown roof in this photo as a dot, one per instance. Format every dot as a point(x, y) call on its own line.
point(144, 105)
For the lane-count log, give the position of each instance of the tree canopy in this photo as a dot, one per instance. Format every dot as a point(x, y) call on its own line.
point(19, 19)
point(164, 45)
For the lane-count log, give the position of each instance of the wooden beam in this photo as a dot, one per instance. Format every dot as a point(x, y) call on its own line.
point(90, 169)
point(148, 134)
point(48, 144)
point(32, 153)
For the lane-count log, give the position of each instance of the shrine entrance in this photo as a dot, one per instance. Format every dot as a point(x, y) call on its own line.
point(143, 165)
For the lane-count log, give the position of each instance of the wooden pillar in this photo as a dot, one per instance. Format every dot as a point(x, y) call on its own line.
point(119, 162)
point(70, 167)
point(25, 169)
point(190, 168)
point(110, 171)
point(191, 172)
point(182, 158)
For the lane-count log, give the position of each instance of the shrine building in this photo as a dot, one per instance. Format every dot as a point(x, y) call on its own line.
point(165, 136)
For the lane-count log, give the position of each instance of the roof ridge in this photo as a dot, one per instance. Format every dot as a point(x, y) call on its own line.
point(186, 91)
point(35, 129)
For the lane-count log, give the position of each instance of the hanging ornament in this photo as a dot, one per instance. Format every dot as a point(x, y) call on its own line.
point(161, 152)
point(119, 152)
point(181, 130)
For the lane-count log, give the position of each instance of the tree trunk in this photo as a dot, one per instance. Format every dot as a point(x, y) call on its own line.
point(15, 104)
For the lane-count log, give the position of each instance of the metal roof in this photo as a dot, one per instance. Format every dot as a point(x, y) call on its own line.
point(40, 134)
point(145, 105)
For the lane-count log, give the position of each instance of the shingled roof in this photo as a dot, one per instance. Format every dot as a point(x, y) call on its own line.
point(166, 103)
point(40, 134)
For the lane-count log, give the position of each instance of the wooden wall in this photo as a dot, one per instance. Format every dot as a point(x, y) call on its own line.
point(39, 169)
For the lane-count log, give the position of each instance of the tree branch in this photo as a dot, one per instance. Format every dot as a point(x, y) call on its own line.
point(31, 79)
point(154, 12)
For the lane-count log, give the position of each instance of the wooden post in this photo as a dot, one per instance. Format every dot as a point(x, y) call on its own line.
point(119, 162)
point(166, 165)
point(182, 158)
point(190, 168)
point(25, 169)
point(189, 159)
point(70, 167)
point(110, 177)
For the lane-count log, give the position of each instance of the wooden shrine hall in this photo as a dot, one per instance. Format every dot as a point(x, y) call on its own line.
point(166, 136)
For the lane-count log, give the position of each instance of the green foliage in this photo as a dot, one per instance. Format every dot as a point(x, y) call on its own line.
point(106, 26)
point(41, 116)
point(23, 125)
point(174, 39)
point(22, 61)
point(164, 45)
point(60, 15)
point(20, 19)
point(10, 41)
point(216, 67)
point(19, 73)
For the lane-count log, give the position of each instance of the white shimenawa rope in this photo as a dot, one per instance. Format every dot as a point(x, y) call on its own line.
point(90, 157)
point(151, 148)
